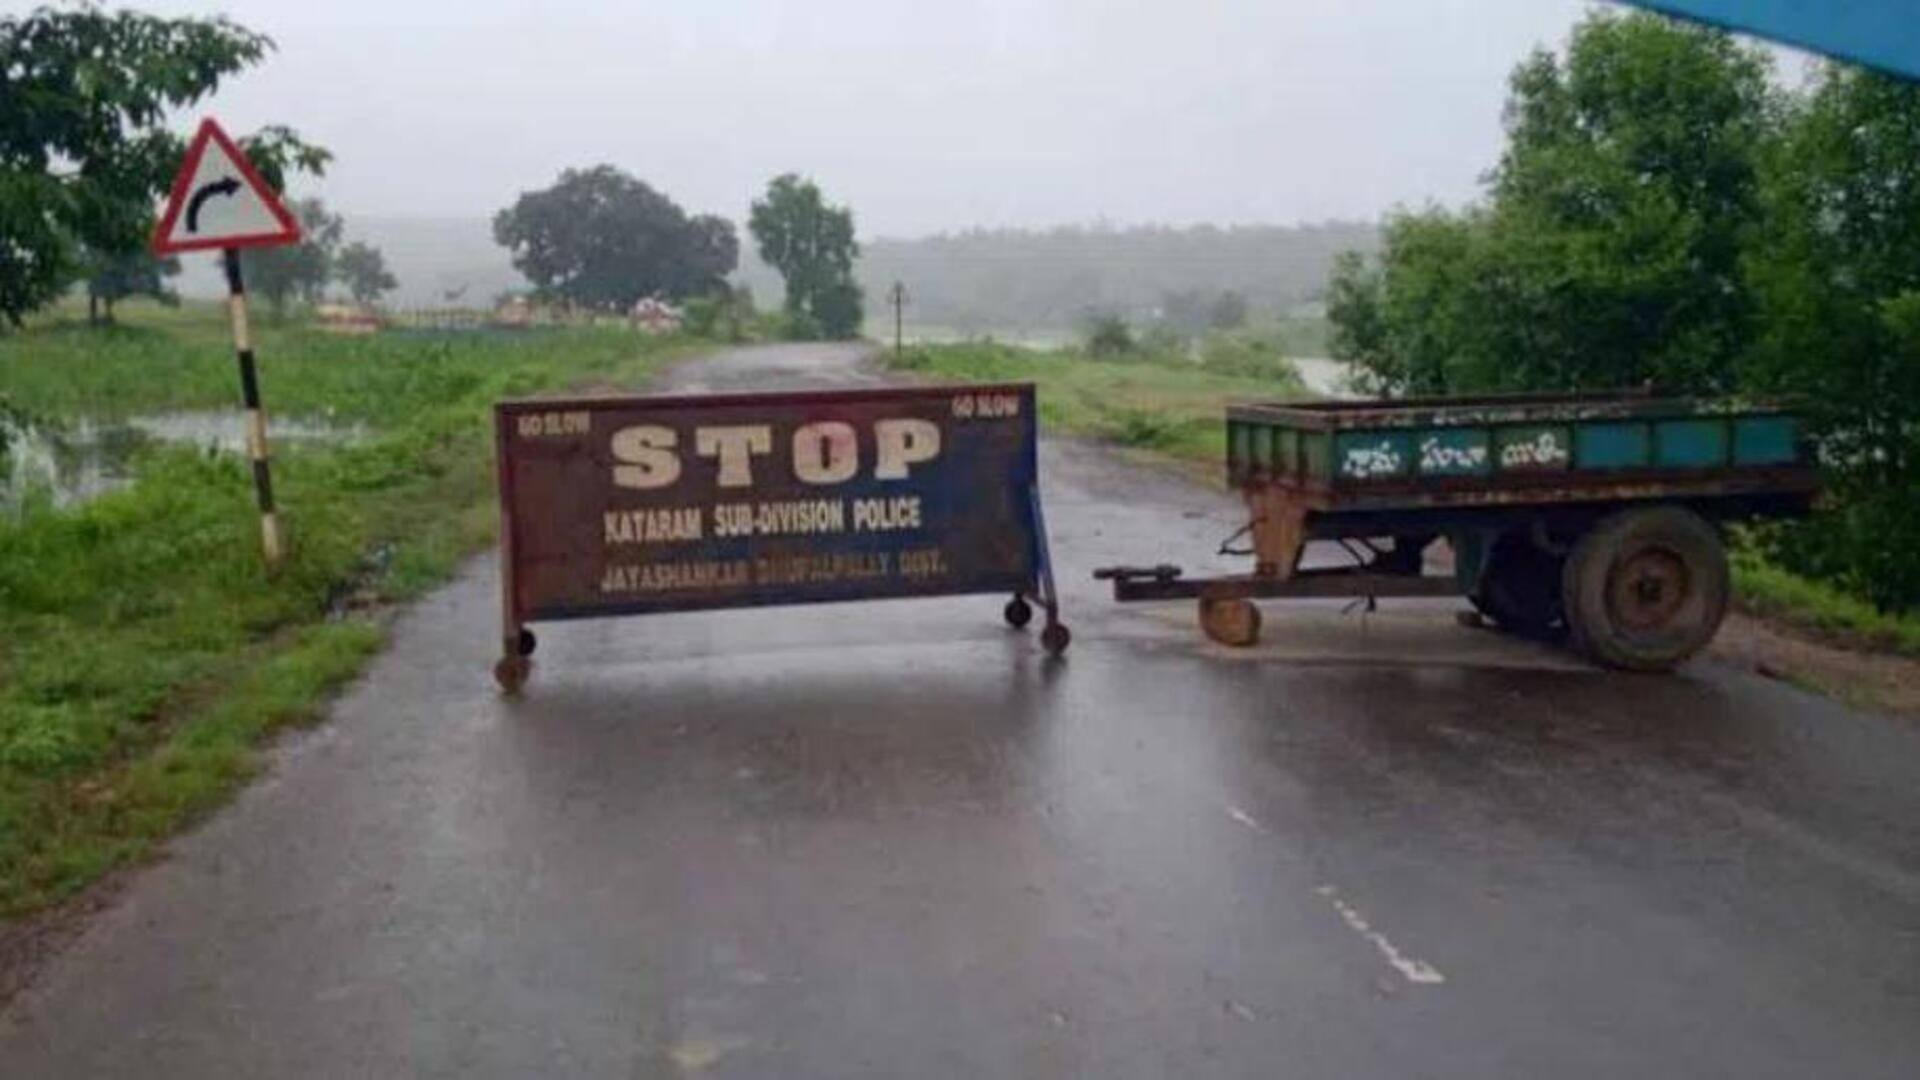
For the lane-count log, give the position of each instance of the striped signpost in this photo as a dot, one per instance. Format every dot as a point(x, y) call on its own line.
point(220, 202)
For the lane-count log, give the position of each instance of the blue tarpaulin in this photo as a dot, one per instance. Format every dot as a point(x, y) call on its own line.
point(1878, 33)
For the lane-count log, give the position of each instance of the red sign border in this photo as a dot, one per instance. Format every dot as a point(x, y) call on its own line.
point(176, 201)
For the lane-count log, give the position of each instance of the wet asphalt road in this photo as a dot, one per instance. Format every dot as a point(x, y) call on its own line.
point(894, 840)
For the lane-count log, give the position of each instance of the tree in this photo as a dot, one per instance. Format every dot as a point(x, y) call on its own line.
point(112, 278)
point(1660, 215)
point(1836, 273)
point(363, 270)
point(84, 150)
point(602, 239)
point(1609, 253)
point(296, 271)
point(811, 244)
point(712, 251)
point(1411, 324)
point(1228, 311)
point(840, 308)
point(1108, 335)
point(1629, 180)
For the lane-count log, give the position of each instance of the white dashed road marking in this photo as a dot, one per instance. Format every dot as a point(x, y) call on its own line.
point(1245, 818)
point(1415, 971)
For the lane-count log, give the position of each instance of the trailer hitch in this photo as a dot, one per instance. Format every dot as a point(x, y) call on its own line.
point(1162, 572)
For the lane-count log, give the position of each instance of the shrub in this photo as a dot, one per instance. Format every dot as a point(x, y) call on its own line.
point(1108, 335)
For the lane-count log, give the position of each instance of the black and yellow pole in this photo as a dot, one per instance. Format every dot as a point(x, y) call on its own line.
point(270, 540)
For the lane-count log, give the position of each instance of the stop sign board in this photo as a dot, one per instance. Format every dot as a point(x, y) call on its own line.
point(635, 505)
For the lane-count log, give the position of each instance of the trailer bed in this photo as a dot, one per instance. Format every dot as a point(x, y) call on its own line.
point(1521, 450)
point(1590, 517)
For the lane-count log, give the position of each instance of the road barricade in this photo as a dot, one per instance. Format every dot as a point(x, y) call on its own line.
point(641, 505)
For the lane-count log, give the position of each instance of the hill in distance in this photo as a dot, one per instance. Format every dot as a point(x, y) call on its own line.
point(1004, 282)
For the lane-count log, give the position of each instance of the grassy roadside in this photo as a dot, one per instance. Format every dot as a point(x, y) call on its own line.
point(144, 651)
point(1819, 609)
point(1168, 407)
point(1172, 409)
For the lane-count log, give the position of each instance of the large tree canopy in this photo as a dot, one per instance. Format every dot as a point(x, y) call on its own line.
point(1660, 215)
point(1836, 275)
point(812, 245)
point(84, 150)
point(1609, 251)
point(603, 239)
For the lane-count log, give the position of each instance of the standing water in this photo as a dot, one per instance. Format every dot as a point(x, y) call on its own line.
point(74, 461)
point(1325, 377)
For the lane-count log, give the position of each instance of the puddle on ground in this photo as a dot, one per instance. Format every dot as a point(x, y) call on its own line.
point(77, 460)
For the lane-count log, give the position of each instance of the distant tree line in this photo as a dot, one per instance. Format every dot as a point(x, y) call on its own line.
point(996, 281)
point(301, 272)
point(1664, 214)
point(601, 239)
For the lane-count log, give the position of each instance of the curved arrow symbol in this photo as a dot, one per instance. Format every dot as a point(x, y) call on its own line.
point(225, 186)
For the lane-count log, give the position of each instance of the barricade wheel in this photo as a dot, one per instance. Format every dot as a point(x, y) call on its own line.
point(1055, 638)
point(1234, 623)
point(511, 673)
point(1018, 613)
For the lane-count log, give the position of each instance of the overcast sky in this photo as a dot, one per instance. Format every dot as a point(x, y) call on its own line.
point(924, 116)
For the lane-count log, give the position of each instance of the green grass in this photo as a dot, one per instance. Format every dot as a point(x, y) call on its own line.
point(1166, 405)
point(1768, 590)
point(144, 649)
point(1304, 335)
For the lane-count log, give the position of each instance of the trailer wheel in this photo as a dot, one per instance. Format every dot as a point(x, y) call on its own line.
point(511, 673)
point(1235, 623)
point(526, 642)
point(1646, 588)
point(1521, 589)
point(1018, 613)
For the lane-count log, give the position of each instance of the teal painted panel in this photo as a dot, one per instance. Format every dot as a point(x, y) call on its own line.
point(1314, 456)
point(1690, 444)
point(1532, 448)
point(1372, 455)
point(1611, 446)
point(1454, 452)
point(1470, 550)
point(1238, 439)
point(1766, 440)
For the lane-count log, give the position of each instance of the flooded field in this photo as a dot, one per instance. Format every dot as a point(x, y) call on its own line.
point(1325, 377)
point(72, 461)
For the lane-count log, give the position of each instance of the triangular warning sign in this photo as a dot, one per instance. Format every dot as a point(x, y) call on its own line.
point(220, 201)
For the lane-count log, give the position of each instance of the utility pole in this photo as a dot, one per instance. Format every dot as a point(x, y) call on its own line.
point(897, 296)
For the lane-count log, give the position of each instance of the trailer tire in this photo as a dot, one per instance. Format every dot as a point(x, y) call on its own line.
point(511, 673)
point(1231, 622)
point(1646, 588)
point(1521, 589)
